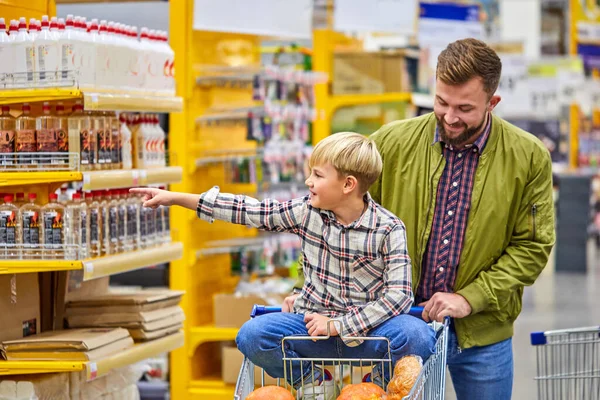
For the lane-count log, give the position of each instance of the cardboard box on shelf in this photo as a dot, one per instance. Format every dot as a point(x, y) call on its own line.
point(70, 339)
point(19, 306)
point(232, 360)
point(231, 310)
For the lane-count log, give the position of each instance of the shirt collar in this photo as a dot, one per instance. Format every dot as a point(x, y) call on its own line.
point(481, 141)
point(368, 219)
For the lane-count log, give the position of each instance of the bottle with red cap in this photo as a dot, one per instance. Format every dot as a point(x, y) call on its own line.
point(47, 54)
point(133, 223)
point(81, 138)
point(77, 228)
point(70, 46)
point(24, 60)
point(19, 199)
point(6, 53)
point(96, 227)
point(7, 138)
point(47, 141)
point(53, 215)
point(113, 222)
point(126, 148)
point(32, 228)
point(121, 198)
point(25, 140)
point(9, 229)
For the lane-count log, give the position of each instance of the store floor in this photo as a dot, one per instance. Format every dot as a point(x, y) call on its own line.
point(555, 301)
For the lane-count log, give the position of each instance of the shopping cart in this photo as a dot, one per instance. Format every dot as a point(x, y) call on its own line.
point(568, 363)
point(430, 384)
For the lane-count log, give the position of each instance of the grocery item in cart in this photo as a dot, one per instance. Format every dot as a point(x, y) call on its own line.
point(362, 391)
point(270, 393)
point(406, 373)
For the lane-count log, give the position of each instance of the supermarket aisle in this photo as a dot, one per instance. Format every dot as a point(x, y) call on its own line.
point(556, 301)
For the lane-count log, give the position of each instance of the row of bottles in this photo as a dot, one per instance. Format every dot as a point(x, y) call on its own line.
point(96, 55)
point(97, 224)
point(101, 139)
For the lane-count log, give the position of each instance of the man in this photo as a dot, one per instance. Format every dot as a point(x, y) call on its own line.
point(475, 194)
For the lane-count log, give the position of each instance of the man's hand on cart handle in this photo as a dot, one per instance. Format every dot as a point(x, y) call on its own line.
point(317, 325)
point(445, 305)
point(288, 303)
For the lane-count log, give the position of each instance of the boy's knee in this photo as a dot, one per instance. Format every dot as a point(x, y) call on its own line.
point(246, 337)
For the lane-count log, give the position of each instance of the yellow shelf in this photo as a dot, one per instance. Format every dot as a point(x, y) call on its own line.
point(96, 100)
point(347, 100)
point(99, 267)
point(97, 368)
point(105, 266)
point(112, 179)
point(208, 333)
point(37, 178)
point(213, 389)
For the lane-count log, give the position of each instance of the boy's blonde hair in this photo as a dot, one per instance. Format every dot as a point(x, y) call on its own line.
point(350, 154)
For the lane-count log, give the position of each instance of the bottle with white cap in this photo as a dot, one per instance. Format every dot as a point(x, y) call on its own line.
point(102, 55)
point(25, 63)
point(47, 55)
point(69, 49)
point(6, 54)
point(87, 56)
point(146, 60)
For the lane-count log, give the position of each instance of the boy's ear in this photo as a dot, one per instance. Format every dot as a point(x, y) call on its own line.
point(350, 184)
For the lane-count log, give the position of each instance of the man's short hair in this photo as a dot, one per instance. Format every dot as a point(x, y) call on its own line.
point(466, 59)
point(350, 154)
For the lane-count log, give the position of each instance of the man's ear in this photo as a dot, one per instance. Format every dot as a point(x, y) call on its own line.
point(494, 102)
point(350, 184)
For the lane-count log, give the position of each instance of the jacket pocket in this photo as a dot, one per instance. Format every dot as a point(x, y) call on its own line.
point(533, 221)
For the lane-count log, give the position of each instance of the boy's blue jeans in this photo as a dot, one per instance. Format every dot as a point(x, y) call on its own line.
point(259, 339)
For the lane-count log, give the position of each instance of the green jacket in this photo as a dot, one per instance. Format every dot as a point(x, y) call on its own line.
point(510, 230)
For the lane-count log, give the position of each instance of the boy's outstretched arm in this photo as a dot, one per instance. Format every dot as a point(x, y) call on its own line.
point(268, 214)
point(396, 294)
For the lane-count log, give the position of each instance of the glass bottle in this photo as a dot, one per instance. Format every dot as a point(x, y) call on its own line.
point(53, 219)
point(32, 229)
point(7, 138)
point(98, 128)
point(133, 222)
point(95, 212)
point(19, 199)
point(47, 141)
point(81, 139)
point(103, 199)
point(62, 134)
point(115, 140)
point(77, 228)
point(113, 221)
point(121, 196)
point(126, 150)
point(25, 141)
point(9, 229)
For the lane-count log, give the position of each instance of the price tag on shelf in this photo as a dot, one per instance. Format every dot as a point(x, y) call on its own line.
point(143, 177)
point(86, 181)
point(88, 269)
point(135, 175)
point(92, 370)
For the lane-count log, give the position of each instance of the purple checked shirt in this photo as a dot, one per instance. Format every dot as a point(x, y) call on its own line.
point(452, 204)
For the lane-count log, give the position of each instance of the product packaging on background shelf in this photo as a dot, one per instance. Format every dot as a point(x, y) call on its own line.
point(77, 226)
point(98, 55)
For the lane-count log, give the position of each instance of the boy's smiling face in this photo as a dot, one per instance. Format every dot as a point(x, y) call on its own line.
point(326, 187)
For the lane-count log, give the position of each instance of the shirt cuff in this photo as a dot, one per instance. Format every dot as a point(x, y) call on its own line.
point(206, 204)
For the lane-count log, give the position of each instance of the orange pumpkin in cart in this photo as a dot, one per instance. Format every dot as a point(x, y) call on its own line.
point(362, 391)
point(270, 393)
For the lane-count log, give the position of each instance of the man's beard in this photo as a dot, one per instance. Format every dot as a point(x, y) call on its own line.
point(461, 139)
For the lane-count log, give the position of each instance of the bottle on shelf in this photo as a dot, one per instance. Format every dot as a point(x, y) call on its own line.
point(95, 215)
point(25, 139)
point(6, 53)
point(7, 136)
point(19, 199)
point(133, 223)
point(54, 235)
point(82, 141)
point(120, 196)
point(139, 146)
point(70, 50)
point(162, 135)
point(47, 54)
point(113, 221)
point(104, 221)
point(116, 142)
point(32, 229)
point(9, 229)
point(77, 228)
point(63, 196)
point(150, 217)
point(62, 135)
point(88, 57)
point(126, 149)
point(34, 31)
point(159, 226)
point(99, 130)
point(166, 222)
point(47, 141)
point(25, 63)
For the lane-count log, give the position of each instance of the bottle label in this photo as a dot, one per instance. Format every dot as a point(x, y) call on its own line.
point(8, 227)
point(115, 146)
point(83, 229)
point(105, 227)
point(66, 59)
point(159, 220)
point(47, 58)
point(31, 228)
point(63, 140)
point(113, 220)
point(29, 59)
point(47, 142)
point(122, 222)
point(143, 223)
point(94, 237)
point(167, 218)
point(85, 146)
point(53, 227)
point(7, 147)
point(150, 221)
point(132, 221)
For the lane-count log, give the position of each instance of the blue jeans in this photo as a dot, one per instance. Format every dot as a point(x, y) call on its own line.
point(260, 338)
point(482, 373)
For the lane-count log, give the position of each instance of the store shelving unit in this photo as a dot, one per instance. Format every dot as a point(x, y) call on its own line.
point(45, 182)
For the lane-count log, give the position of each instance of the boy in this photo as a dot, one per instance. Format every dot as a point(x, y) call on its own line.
point(356, 267)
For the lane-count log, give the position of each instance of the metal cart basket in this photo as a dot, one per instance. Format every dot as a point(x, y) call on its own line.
point(430, 384)
point(568, 363)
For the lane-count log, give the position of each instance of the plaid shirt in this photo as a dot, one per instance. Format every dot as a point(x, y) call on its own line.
point(358, 275)
point(452, 205)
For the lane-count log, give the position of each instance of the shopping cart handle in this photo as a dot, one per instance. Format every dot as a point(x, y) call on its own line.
point(258, 310)
point(416, 311)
